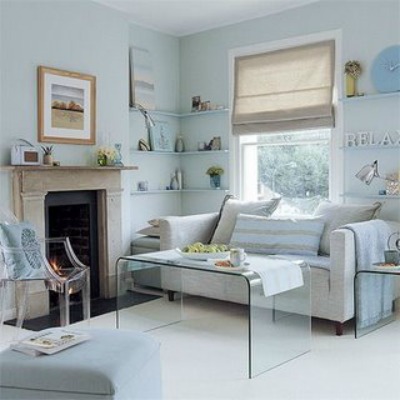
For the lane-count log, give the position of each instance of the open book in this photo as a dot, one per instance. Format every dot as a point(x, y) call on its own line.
point(49, 341)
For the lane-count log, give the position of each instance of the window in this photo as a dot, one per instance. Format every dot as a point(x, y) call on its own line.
point(293, 165)
point(282, 119)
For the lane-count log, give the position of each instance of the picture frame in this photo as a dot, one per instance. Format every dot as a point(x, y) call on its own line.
point(66, 106)
point(160, 137)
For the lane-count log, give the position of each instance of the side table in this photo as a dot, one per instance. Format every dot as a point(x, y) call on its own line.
point(364, 274)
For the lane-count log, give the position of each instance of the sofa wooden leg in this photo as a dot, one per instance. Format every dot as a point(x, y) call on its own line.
point(339, 328)
point(171, 295)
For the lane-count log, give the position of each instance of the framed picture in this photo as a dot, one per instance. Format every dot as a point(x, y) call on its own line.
point(141, 78)
point(160, 137)
point(66, 106)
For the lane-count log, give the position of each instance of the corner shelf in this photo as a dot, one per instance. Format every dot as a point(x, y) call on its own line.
point(149, 192)
point(370, 196)
point(182, 115)
point(164, 191)
point(175, 153)
point(372, 96)
point(370, 147)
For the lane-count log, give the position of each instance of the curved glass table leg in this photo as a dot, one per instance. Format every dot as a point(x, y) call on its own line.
point(279, 325)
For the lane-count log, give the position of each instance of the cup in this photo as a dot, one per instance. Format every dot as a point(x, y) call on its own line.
point(236, 257)
point(392, 257)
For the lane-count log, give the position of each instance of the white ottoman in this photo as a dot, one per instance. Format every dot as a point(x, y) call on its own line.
point(113, 364)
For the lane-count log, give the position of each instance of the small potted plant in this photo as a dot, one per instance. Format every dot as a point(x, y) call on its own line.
point(215, 173)
point(353, 70)
point(47, 155)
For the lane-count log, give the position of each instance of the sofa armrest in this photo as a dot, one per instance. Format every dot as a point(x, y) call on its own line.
point(181, 231)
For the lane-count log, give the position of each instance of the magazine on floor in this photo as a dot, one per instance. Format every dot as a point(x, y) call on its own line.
point(49, 341)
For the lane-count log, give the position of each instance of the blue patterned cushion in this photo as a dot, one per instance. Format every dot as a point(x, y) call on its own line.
point(21, 251)
point(258, 234)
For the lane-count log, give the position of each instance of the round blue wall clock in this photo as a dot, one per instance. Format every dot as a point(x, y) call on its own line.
point(385, 71)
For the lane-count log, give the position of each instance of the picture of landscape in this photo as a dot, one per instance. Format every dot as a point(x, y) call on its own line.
point(67, 107)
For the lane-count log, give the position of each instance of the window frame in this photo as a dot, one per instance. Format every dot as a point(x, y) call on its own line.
point(336, 157)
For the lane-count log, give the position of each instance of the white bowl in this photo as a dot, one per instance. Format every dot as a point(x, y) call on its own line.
point(203, 256)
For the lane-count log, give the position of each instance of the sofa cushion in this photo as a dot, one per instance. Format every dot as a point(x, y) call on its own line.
point(337, 215)
point(277, 236)
point(232, 208)
point(153, 231)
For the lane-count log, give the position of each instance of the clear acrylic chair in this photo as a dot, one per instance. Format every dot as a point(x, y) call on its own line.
point(62, 280)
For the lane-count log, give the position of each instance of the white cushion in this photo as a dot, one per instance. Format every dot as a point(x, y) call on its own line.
point(232, 208)
point(150, 231)
point(264, 235)
point(154, 222)
point(337, 215)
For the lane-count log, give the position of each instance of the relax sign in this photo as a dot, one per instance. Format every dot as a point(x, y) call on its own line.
point(358, 139)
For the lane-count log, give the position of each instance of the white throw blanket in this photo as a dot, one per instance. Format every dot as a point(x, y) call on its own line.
point(374, 292)
point(277, 275)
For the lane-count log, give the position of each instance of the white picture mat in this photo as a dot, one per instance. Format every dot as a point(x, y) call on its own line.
point(49, 80)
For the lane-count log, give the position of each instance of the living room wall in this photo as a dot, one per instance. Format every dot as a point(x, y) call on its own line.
point(367, 27)
point(77, 36)
point(87, 37)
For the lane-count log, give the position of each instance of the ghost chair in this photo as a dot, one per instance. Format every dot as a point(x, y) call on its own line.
point(22, 262)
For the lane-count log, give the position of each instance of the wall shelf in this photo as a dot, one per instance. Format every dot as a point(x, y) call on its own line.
point(203, 153)
point(373, 96)
point(164, 191)
point(225, 190)
point(198, 113)
point(370, 147)
point(149, 192)
point(183, 153)
point(183, 115)
point(370, 196)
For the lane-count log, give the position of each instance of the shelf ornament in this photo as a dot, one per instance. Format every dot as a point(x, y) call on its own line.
point(215, 173)
point(352, 70)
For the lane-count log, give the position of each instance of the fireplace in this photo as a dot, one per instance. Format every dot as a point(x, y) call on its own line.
point(31, 187)
point(73, 214)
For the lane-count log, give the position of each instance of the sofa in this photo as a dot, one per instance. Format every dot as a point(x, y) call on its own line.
point(331, 274)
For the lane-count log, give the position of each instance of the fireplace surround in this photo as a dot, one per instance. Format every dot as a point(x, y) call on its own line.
point(30, 187)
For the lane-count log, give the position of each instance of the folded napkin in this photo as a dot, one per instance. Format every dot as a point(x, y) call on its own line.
point(277, 275)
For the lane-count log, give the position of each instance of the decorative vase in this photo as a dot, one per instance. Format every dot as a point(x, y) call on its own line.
point(118, 157)
point(101, 160)
point(179, 145)
point(174, 183)
point(215, 181)
point(110, 162)
point(48, 159)
point(178, 175)
point(350, 85)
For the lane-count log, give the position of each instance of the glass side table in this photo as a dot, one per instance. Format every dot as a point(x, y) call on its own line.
point(278, 326)
point(385, 277)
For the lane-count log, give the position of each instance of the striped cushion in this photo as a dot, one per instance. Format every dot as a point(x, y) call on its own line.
point(258, 234)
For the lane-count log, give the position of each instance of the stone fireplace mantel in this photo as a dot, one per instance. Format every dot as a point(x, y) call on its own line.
point(31, 184)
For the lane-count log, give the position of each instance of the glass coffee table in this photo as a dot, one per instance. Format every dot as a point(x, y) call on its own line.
point(385, 278)
point(277, 327)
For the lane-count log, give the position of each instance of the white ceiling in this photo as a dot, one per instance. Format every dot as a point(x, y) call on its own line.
point(184, 17)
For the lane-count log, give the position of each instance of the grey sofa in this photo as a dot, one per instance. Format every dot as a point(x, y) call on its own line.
point(331, 276)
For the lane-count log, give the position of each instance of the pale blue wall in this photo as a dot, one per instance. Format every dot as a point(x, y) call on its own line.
point(85, 37)
point(79, 36)
point(164, 50)
point(367, 27)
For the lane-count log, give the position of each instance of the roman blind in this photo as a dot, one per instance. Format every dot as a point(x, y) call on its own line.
point(284, 90)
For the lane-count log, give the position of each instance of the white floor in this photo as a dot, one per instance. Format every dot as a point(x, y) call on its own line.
point(205, 357)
